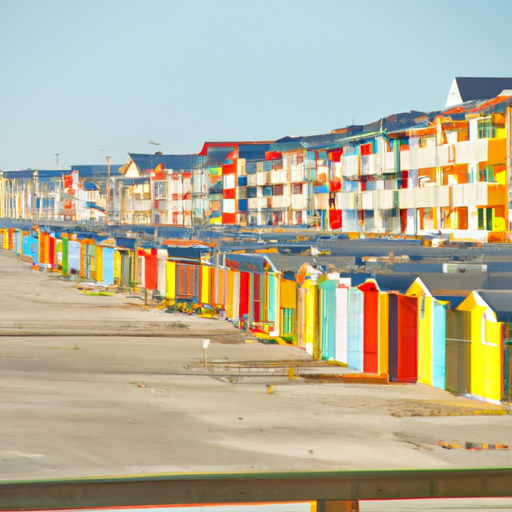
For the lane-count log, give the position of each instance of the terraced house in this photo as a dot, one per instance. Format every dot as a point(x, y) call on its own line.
point(409, 173)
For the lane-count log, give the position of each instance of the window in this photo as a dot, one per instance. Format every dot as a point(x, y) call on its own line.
point(485, 128)
point(252, 192)
point(159, 189)
point(277, 190)
point(366, 149)
point(267, 191)
point(350, 186)
point(297, 188)
point(487, 174)
point(427, 142)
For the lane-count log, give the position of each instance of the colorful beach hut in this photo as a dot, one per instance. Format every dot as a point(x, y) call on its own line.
point(431, 320)
point(475, 350)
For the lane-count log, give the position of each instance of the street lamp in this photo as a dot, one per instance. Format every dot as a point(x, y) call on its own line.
point(57, 155)
point(108, 190)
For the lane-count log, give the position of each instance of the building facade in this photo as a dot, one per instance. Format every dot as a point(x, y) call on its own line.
point(411, 173)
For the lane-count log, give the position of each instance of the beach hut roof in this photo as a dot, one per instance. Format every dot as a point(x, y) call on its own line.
point(500, 301)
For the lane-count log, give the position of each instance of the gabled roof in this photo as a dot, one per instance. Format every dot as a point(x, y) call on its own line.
point(465, 89)
point(500, 302)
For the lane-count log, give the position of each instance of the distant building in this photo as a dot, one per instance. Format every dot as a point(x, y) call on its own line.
point(409, 173)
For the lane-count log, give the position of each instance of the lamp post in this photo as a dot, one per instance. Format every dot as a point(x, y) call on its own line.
point(57, 155)
point(206, 342)
point(34, 194)
point(108, 190)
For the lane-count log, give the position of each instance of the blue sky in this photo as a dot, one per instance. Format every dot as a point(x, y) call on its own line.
point(94, 78)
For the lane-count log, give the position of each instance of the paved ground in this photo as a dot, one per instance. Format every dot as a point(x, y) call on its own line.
point(137, 400)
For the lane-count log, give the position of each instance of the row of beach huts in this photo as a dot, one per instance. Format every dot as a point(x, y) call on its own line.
point(411, 336)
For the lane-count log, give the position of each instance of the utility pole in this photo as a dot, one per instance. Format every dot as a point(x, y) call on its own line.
point(108, 190)
point(57, 155)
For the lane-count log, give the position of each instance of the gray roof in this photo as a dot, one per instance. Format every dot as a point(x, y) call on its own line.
point(500, 301)
point(293, 262)
point(481, 88)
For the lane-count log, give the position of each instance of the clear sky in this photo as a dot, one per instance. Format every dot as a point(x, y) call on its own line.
point(93, 78)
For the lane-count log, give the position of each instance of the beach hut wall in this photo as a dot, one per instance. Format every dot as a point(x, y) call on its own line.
point(355, 310)
point(65, 252)
point(288, 307)
point(487, 360)
point(84, 258)
point(341, 335)
point(234, 296)
point(213, 286)
point(127, 264)
point(439, 345)
point(51, 251)
point(425, 314)
point(407, 368)
point(475, 324)
point(301, 316)
point(118, 266)
point(18, 241)
point(310, 329)
point(393, 336)
point(273, 304)
point(220, 275)
point(99, 262)
point(244, 294)
point(14, 239)
point(187, 281)
point(486, 349)
point(141, 269)
point(264, 301)
point(327, 316)
point(371, 326)
point(43, 247)
point(108, 264)
point(256, 299)
point(150, 269)
point(91, 252)
point(383, 320)
point(161, 272)
point(11, 238)
point(229, 285)
point(74, 251)
point(57, 266)
point(31, 248)
point(170, 281)
point(204, 284)
point(458, 351)
point(431, 336)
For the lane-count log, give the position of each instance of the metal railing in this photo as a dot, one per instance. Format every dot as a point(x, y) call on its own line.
point(211, 488)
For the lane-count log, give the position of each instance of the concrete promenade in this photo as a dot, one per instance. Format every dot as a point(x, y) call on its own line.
point(99, 385)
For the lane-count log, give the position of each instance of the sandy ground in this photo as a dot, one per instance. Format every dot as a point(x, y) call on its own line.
point(94, 385)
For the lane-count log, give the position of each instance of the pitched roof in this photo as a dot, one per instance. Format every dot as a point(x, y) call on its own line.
point(476, 88)
point(500, 302)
